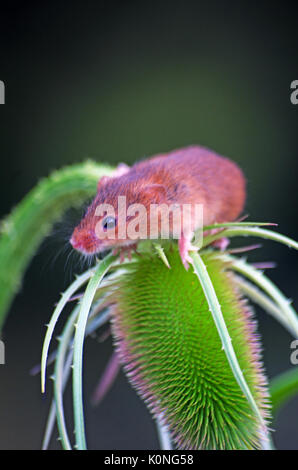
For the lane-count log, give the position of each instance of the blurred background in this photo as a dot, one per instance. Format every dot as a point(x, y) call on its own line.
point(117, 81)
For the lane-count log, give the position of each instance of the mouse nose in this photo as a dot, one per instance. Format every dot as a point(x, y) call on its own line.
point(84, 240)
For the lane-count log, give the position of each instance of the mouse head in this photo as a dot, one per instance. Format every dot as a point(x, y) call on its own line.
point(118, 216)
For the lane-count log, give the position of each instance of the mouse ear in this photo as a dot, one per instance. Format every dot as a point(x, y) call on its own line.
point(156, 192)
point(121, 169)
point(103, 180)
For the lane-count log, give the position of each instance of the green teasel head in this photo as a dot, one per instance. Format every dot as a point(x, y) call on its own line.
point(171, 351)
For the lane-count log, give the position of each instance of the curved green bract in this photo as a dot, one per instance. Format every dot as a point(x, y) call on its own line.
point(101, 270)
point(215, 309)
point(246, 230)
point(79, 281)
point(64, 341)
point(24, 229)
point(172, 353)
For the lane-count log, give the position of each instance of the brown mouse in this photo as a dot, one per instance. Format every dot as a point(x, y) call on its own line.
point(182, 178)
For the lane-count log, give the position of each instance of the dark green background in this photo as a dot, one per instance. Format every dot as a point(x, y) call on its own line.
point(116, 81)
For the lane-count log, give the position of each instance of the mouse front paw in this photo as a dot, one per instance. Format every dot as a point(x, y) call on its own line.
point(125, 251)
point(185, 247)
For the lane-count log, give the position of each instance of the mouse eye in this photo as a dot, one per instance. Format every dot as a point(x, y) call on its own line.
point(108, 222)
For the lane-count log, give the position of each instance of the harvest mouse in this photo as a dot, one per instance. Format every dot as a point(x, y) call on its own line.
point(188, 176)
